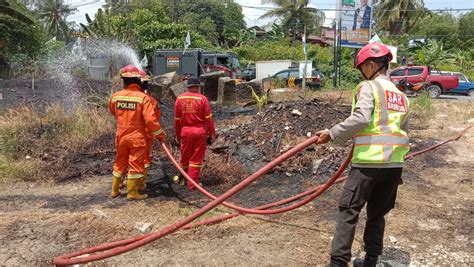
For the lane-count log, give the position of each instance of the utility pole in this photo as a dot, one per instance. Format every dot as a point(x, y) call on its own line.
point(334, 70)
point(129, 20)
point(339, 51)
point(303, 86)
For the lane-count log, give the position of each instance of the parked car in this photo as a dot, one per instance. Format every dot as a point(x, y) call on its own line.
point(248, 74)
point(292, 78)
point(465, 86)
point(436, 82)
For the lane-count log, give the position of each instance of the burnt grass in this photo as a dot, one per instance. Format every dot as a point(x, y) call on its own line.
point(240, 149)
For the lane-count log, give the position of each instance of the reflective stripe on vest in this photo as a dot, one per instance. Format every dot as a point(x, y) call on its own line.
point(382, 141)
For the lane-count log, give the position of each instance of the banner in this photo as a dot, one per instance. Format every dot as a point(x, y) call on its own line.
point(355, 17)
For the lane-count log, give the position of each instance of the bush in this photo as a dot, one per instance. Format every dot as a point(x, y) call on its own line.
point(422, 107)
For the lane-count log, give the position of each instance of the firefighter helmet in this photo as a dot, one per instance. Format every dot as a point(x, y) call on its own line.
point(130, 71)
point(373, 50)
point(143, 76)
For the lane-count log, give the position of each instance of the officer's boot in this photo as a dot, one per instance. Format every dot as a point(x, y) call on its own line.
point(132, 190)
point(116, 181)
point(142, 183)
point(368, 261)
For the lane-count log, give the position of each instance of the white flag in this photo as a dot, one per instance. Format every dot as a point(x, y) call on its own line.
point(144, 62)
point(187, 42)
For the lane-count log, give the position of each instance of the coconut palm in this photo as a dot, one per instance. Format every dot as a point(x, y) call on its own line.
point(294, 15)
point(398, 16)
point(53, 13)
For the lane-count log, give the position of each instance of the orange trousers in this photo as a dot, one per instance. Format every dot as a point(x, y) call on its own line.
point(149, 145)
point(131, 153)
point(193, 151)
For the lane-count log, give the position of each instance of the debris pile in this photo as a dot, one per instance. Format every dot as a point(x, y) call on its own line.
point(277, 129)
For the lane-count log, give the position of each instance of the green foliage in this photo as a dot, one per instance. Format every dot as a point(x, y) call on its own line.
point(431, 53)
point(295, 15)
point(225, 18)
point(393, 17)
point(234, 23)
point(21, 36)
point(441, 27)
point(423, 107)
point(53, 13)
point(261, 100)
point(466, 31)
point(154, 35)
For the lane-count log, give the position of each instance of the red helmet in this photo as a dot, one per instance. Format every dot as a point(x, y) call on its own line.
point(130, 71)
point(373, 50)
point(143, 76)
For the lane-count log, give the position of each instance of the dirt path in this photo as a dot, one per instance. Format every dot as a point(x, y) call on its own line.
point(432, 222)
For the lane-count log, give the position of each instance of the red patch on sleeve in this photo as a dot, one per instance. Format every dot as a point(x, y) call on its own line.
point(395, 101)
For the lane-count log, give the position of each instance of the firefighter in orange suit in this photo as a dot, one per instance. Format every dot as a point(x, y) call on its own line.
point(193, 125)
point(144, 84)
point(135, 114)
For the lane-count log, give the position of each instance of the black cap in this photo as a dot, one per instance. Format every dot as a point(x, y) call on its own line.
point(194, 81)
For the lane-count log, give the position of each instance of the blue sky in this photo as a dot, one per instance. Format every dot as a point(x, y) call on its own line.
point(251, 14)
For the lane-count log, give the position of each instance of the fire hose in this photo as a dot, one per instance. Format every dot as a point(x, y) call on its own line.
point(118, 247)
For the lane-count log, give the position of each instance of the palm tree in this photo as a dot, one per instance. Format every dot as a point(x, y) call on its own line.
point(398, 16)
point(53, 13)
point(294, 15)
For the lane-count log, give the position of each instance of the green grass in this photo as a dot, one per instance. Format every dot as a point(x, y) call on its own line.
point(423, 108)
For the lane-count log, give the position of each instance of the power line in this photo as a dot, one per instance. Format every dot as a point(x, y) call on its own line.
point(385, 10)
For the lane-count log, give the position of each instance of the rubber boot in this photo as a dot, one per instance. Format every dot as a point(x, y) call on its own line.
point(116, 181)
point(179, 179)
point(142, 184)
point(132, 190)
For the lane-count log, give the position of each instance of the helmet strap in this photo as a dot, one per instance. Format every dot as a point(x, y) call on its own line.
point(373, 74)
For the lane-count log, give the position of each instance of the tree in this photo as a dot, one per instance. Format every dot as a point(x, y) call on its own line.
point(21, 38)
point(234, 23)
point(295, 15)
point(398, 16)
point(54, 13)
point(431, 53)
point(466, 30)
point(437, 26)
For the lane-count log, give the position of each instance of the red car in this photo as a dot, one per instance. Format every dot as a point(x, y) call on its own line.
point(436, 82)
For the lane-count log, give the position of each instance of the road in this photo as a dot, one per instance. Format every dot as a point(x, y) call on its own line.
point(457, 97)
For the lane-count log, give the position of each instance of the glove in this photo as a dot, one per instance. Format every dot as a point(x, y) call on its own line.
point(210, 140)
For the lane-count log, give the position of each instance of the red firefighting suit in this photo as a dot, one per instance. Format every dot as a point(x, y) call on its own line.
point(135, 113)
point(193, 124)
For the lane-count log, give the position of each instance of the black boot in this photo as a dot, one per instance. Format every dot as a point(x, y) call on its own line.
point(368, 261)
point(337, 263)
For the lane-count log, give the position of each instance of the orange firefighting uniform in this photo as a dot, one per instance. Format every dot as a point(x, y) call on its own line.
point(135, 113)
point(149, 135)
point(193, 123)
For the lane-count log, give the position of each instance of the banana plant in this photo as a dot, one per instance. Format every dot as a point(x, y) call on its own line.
point(100, 26)
point(260, 100)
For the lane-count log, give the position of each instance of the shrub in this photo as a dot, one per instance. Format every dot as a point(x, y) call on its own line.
point(422, 107)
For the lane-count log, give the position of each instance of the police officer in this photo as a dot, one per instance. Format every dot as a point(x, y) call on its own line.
point(378, 125)
point(135, 115)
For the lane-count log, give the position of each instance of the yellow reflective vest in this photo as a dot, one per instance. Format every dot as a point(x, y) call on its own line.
point(382, 141)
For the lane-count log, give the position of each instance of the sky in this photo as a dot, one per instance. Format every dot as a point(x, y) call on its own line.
point(252, 14)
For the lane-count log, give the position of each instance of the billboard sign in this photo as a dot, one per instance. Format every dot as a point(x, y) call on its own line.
point(355, 17)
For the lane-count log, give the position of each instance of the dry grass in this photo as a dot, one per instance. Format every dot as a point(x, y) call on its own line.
point(221, 169)
point(26, 136)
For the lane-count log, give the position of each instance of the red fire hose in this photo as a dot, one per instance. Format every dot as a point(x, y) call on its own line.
point(122, 246)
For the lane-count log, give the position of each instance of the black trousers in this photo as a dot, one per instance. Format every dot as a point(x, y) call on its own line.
point(378, 188)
